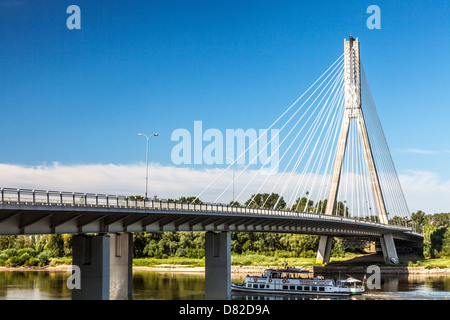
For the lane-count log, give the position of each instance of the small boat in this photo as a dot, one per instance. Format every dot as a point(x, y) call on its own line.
point(293, 281)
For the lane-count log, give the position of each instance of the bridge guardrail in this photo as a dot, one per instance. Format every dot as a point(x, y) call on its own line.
point(77, 199)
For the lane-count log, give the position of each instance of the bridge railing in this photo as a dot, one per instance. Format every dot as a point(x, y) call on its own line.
point(77, 199)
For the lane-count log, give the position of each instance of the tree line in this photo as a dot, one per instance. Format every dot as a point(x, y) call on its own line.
point(436, 231)
point(38, 250)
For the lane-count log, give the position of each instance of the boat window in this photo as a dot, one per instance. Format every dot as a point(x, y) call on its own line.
point(255, 286)
point(261, 286)
point(306, 288)
point(291, 287)
point(321, 289)
point(299, 288)
point(285, 287)
point(314, 289)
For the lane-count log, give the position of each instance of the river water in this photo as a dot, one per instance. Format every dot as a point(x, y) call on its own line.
point(51, 285)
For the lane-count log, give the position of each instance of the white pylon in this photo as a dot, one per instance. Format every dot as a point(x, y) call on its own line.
point(352, 83)
point(352, 96)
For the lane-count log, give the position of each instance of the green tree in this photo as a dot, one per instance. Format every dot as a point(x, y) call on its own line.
point(440, 219)
point(446, 242)
point(419, 219)
point(300, 205)
point(321, 206)
point(7, 242)
point(168, 243)
point(267, 242)
point(55, 245)
point(19, 242)
point(190, 199)
point(264, 200)
point(341, 210)
point(136, 198)
point(68, 240)
point(398, 221)
point(433, 240)
point(338, 248)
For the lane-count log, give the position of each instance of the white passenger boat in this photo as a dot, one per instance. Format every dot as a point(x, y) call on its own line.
point(293, 281)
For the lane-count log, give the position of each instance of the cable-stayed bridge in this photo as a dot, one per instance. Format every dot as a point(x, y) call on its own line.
point(335, 160)
point(335, 177)
point(46, 212)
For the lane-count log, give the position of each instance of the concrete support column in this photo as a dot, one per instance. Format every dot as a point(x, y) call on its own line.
point(217, 266)
point(324, 251)
point(92, 254)
point(121, 266)
point(383, 250)
point(389, 250)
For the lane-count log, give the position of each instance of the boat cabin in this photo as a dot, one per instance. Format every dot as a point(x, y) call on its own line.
point(293, 280)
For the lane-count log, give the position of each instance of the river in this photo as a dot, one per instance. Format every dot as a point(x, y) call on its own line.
point(51, 285)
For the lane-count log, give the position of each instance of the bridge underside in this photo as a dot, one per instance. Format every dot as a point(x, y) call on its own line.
point(37, 219)
point(113, 262)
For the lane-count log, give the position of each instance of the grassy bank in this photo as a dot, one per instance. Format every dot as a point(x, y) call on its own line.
point(264, 261)
point(430, 263)
point(350, 259)
point(237, 260)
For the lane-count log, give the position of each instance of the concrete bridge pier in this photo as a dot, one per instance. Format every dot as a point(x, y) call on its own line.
point(324, 251)
point(388, 248)
point(105, 263)
point(217, 266)
point(91, 254)
point(121, 266)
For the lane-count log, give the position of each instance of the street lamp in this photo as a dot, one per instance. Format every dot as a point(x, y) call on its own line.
point(146, 161)
point(307, 204)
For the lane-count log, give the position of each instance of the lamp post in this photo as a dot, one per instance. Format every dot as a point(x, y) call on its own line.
point(146, 161)
point(307, 204)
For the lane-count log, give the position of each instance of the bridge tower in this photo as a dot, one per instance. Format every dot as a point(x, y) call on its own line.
point(353, 112)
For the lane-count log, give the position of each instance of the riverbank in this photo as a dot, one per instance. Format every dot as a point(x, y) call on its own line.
point(316, 270)
point(252, 270)
point(61, 267)
point(256, 264)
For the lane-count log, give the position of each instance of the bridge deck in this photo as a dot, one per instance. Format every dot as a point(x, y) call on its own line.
point(44, 212)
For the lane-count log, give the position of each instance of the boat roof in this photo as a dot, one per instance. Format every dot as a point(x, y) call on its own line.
point(351, 280)
point(288, 270)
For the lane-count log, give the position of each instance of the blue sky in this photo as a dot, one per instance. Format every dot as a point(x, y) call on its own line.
point(82, 96)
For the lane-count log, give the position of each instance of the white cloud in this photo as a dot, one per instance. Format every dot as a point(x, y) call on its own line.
point(423, 190)
point(426, 191)
point(164, 181)
point(102, 178)
point(419, 151)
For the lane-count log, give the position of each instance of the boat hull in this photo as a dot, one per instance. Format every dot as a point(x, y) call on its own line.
point(241, 288)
